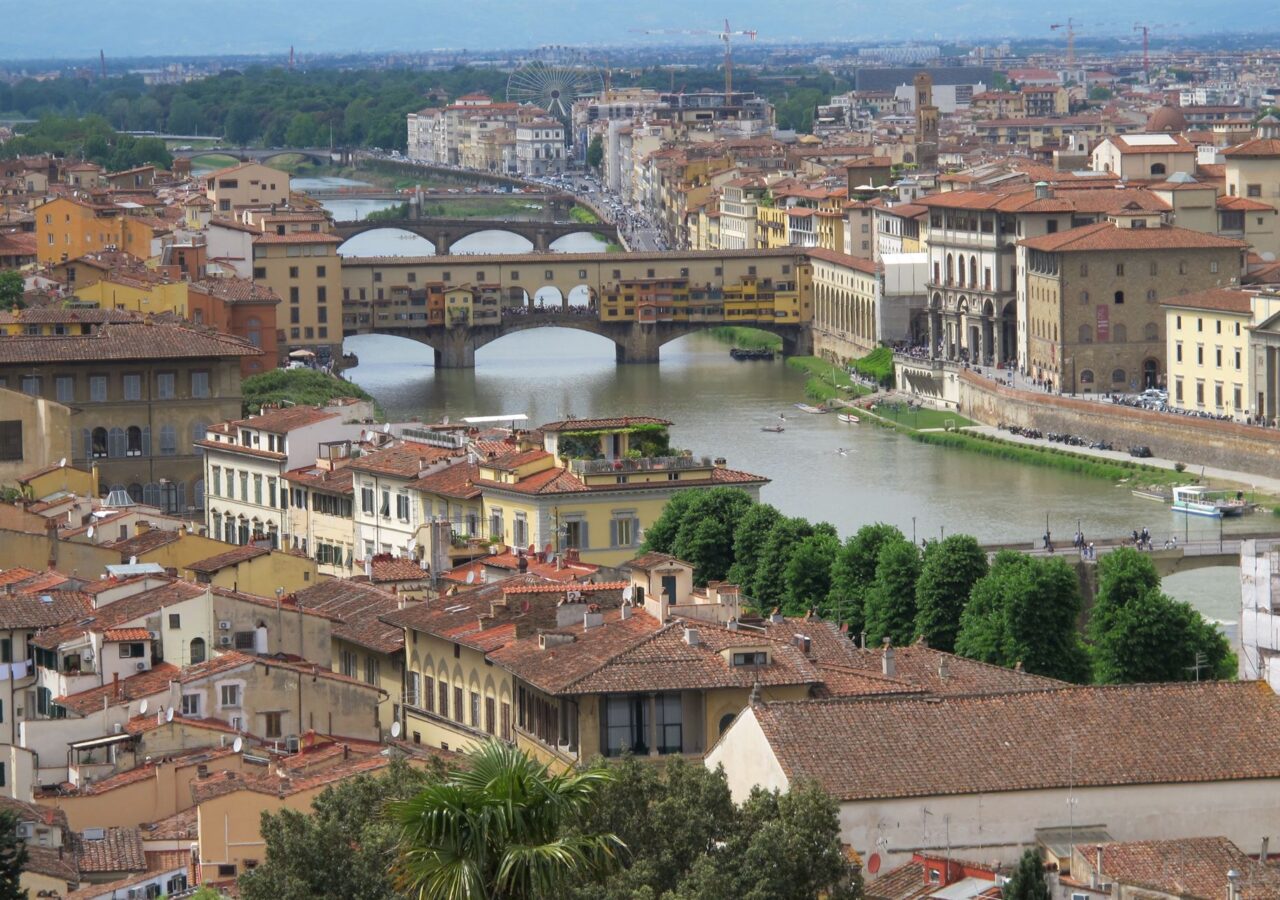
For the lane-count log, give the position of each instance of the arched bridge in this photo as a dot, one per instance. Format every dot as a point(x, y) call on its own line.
point(444, 232)
point(260, 154)
point(636, 342)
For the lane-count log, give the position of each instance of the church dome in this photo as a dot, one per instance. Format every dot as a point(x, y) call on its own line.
point(1166, 119)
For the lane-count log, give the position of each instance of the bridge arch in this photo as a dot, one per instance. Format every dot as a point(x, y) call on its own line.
point(444, 233)
point(415, 244)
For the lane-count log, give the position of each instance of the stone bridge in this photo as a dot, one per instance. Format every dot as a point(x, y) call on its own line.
point(444, 232)
point(635, 342)
point(261, 154)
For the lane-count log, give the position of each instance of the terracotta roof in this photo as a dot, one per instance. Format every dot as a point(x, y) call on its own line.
point(144, 542)
point(121, 342)
point(334, 481)
point(509, 462)
point(51, 862)
point(271, 782)
point(1244, 204)
point(240, 449)
point(136, 687)
point(122, 612)
point(178, 827)
point(457, 481)
point(832, 256)
point(298, 237)
point(357, 608)
point(284, 419)
point(592, 587)
point(906, 882)
point(863, 749)
point(1259, 147)
point(126, 635)
point(1184, 867)
point(233, 557)
point(1216, 299)
point(236, 290)
point(405, 460)
point(30, 610)
point(1106, 236)
point(34, 812)
point(653, 560)
point(396, 568)
point(600, 424)
point(119, 850)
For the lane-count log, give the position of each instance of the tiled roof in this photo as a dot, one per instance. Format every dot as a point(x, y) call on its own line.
point(33, 812)
point(223, 662)
point(1184, 867)
point(557, 667)
point(508, 587)
point(357, 608)
point(236, 290)
point(455, 616)
point(119, 850)
point(298, 237)
point(404, 460)
point(271, 782)
point(122, 612)
point(1106, 236)
point(136, 687)
point(233, 557)
point(906, 882)
point(842, 259)
point(51, 862)
point(180, 826)
point(396, 568)
point(144, 542)
point(509, 462)
point(1264, 147)
point(653, 560)
point(599, 424)
point(1216, 299)
point(283, 419)
point(945, 673)
point(58, 315)
point(120, 342)
point(30, 611)
point(126, 635)
point(457, 481)
point(863, 749)
point(334, 481)
point(228, 447)
point(1243, 204)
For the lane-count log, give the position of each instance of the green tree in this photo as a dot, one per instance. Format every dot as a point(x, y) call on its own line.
point(13, 857)
point(698, 526)
point(890, 600)
point(1100, 93)
point(1124, 575)
point(748, 542)
point(301, 132)
point(338, 850)
point(1027, 881)
point(595, 152)
point(11, 289)
point(780, 543)
point(950, 570)
point(241, 125)
point(501, 827)
point(806, 578)
point(298, 386)
point(184, 116)
point(1024, 611)
point(853, 571)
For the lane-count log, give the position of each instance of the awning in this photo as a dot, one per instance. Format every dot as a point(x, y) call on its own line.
point(100, 742)
point(485, 420)
point(301, 354)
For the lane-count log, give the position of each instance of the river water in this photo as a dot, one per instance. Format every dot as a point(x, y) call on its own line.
point(719, 407)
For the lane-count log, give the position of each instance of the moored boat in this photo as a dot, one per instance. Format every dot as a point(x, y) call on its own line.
point(847, 417)
point(775, 429)
point(805, 407)
point(1198, 500)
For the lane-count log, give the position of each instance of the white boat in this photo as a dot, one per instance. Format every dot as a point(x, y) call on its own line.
point(847, 417)
point(805, 407)
point(1198, 500)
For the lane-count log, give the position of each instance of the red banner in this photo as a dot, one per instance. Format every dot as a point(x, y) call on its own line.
point(1104, 323)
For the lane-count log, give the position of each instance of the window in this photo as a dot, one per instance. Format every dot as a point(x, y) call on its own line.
point(371, 669)
point(1086, 376)
point(1119, 268)
point(229, 696)
point(475, 710)
point(366, 500)
point(197, 650)
point(1253, 190)
point(65, 388)
point(132, 650)
point(1217, 395)
point(626, 724)
point(347, 663)
point(1118, 376)
point(384, 509)
point(1213, 266)
point(575, 534)
point(1177, 390)
point(490, 715)
point(135, 441)
point(243, 640)
point(274, 724)
point(520, 530)
point(1177, 351)
point(200, 384)
point(11, 439)
point(1084, 297)
point(751, 658)
point(175, 620)
point(98, 388)
point(402, 507)
point(625, 530)
point(444, 700)
point(1119, 296)
point(168, 440)
point(457, 704)
point(132, 387)
point(191, 705)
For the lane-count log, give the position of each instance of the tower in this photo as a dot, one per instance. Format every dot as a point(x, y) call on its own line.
point(926, 123)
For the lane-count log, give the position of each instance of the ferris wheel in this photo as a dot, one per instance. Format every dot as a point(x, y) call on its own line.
point(553, 79)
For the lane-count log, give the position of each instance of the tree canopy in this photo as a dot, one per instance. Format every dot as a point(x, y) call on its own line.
point(947, 576)
point(301, 386)
point(12, 286)
point(1027, 881)
point(698, 527)
point(852, 571)
point(890, 599)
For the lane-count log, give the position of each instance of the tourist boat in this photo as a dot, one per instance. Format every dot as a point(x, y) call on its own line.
point(1198, 500)
point(805, 407)
point(847, 417)
point(759, 353)
point(776, 429)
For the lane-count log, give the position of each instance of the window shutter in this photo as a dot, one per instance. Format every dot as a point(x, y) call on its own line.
point(635, 531)
point(613, 532)
point(88, 443)
point(586, 541)
point(146, 440)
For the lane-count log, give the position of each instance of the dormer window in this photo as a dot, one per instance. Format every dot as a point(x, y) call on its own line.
point(750, 658)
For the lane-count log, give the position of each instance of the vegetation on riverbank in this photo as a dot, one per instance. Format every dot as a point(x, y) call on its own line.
point(397, 213)
point(584, 216)
point(878, 365)
point(746, 338)
point(826, 381)
point(303, 387)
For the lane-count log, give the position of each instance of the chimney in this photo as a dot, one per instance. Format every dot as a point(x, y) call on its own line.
point(592, 618)
point(1262, 857)
point(732, 625)
point(624, 612)
point(691, 637)
point(803, 641)
point(776, 617)
point(115, 686)
point(1043, 190)
point(944, 670)
point(1097, 869)
point(888, 664)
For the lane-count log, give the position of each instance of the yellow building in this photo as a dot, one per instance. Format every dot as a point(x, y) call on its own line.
point(59, 479)
point(253, 570)
point(457, 306)
point(304, 269)
point(137, 291)
point(67, 228)
point(247, 185)
point(1210, 350)
point(35, 432)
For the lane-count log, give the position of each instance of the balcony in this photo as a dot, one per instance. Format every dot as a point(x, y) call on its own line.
point(582, 467)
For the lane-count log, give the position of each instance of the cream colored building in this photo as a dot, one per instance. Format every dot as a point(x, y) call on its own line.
point(304, 269)
point(846, 298)
point(35, 432)
point(247, 184)
point(1144, 156)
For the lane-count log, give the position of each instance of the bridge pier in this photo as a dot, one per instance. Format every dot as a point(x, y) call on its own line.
point(540, 242)
point(640, 345)
point(798, 343)
point(456, 350)
point(442, 243)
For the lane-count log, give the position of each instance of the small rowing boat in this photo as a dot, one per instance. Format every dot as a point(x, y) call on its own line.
point(805, 407)
point(775, 429)
point(847, 417)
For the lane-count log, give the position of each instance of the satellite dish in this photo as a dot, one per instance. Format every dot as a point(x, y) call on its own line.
point(89, 533)
point(386, 429)
point(133, 560)
point(471, 577)
point(237, 745)
point(62, 463)
point(168, 714)
point(444, 421)
point(395, 729)
point(873, 864)
point(142, 708)
point(191, 528)
point(627, 593)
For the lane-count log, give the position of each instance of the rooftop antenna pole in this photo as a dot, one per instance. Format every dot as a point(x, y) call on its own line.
point(102, 62)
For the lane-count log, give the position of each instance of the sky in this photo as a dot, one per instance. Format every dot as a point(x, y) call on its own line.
point(79, 28)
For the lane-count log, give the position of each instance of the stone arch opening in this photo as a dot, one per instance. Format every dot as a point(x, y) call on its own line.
point(383, 241)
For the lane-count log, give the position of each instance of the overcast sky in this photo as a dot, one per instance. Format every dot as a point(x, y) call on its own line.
point(78, 28)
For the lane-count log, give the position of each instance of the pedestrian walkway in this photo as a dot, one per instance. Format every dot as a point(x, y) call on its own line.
point(1263, 483)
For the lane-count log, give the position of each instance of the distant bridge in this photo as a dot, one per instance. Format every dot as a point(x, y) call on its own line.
point(1186, 556)
point(444, 232)
point(635, 342)
point(260, 154)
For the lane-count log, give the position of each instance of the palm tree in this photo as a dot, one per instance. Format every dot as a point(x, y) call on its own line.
point(500, 827)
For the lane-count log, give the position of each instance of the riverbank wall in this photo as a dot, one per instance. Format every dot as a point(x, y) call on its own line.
point(1196, 442)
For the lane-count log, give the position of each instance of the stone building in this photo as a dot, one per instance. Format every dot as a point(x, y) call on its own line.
point(1094, 321)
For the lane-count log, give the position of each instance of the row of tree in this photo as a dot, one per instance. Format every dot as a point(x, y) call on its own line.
point(1017, 609)
point(501, 825)
point(91, 138)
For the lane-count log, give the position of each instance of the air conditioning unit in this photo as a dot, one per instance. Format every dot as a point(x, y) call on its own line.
point(154, 635)
point(140, 667)
point(224, 625)
point(117, 728)
point(87, 655)
point(292, 743)
point(224, 640)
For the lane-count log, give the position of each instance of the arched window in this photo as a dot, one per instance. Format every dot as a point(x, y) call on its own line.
point(1118, 376)
point(950, 269)
point(199, 430)
point(168, 440)
point(197, 651)
point(116, 443)
point(1119, 297)
point(1150, 332)
point(243, 535)
point(99, 443)
point(135, 492)
point(1151, 295)
point(973, 271)
point(1086, 376)
point(1084, 297)
point(253, 330)
point(1150, 373)
point(151, 494)
point(726, 720)
point(133, 441)
point(1086, 334)
point(1119, 334)
point(1157, 169)
point(197, 491)
point(216, 531)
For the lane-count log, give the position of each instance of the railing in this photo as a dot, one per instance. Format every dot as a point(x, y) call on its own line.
point(645, 464)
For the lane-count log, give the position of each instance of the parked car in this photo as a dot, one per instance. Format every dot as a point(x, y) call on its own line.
point(1141, 451)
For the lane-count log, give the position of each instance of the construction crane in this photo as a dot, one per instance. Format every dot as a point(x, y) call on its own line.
point(725, 36)
point(1071, 40)
point(1146, 47)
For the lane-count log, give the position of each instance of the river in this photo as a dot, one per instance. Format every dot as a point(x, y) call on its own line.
point(719, 406)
